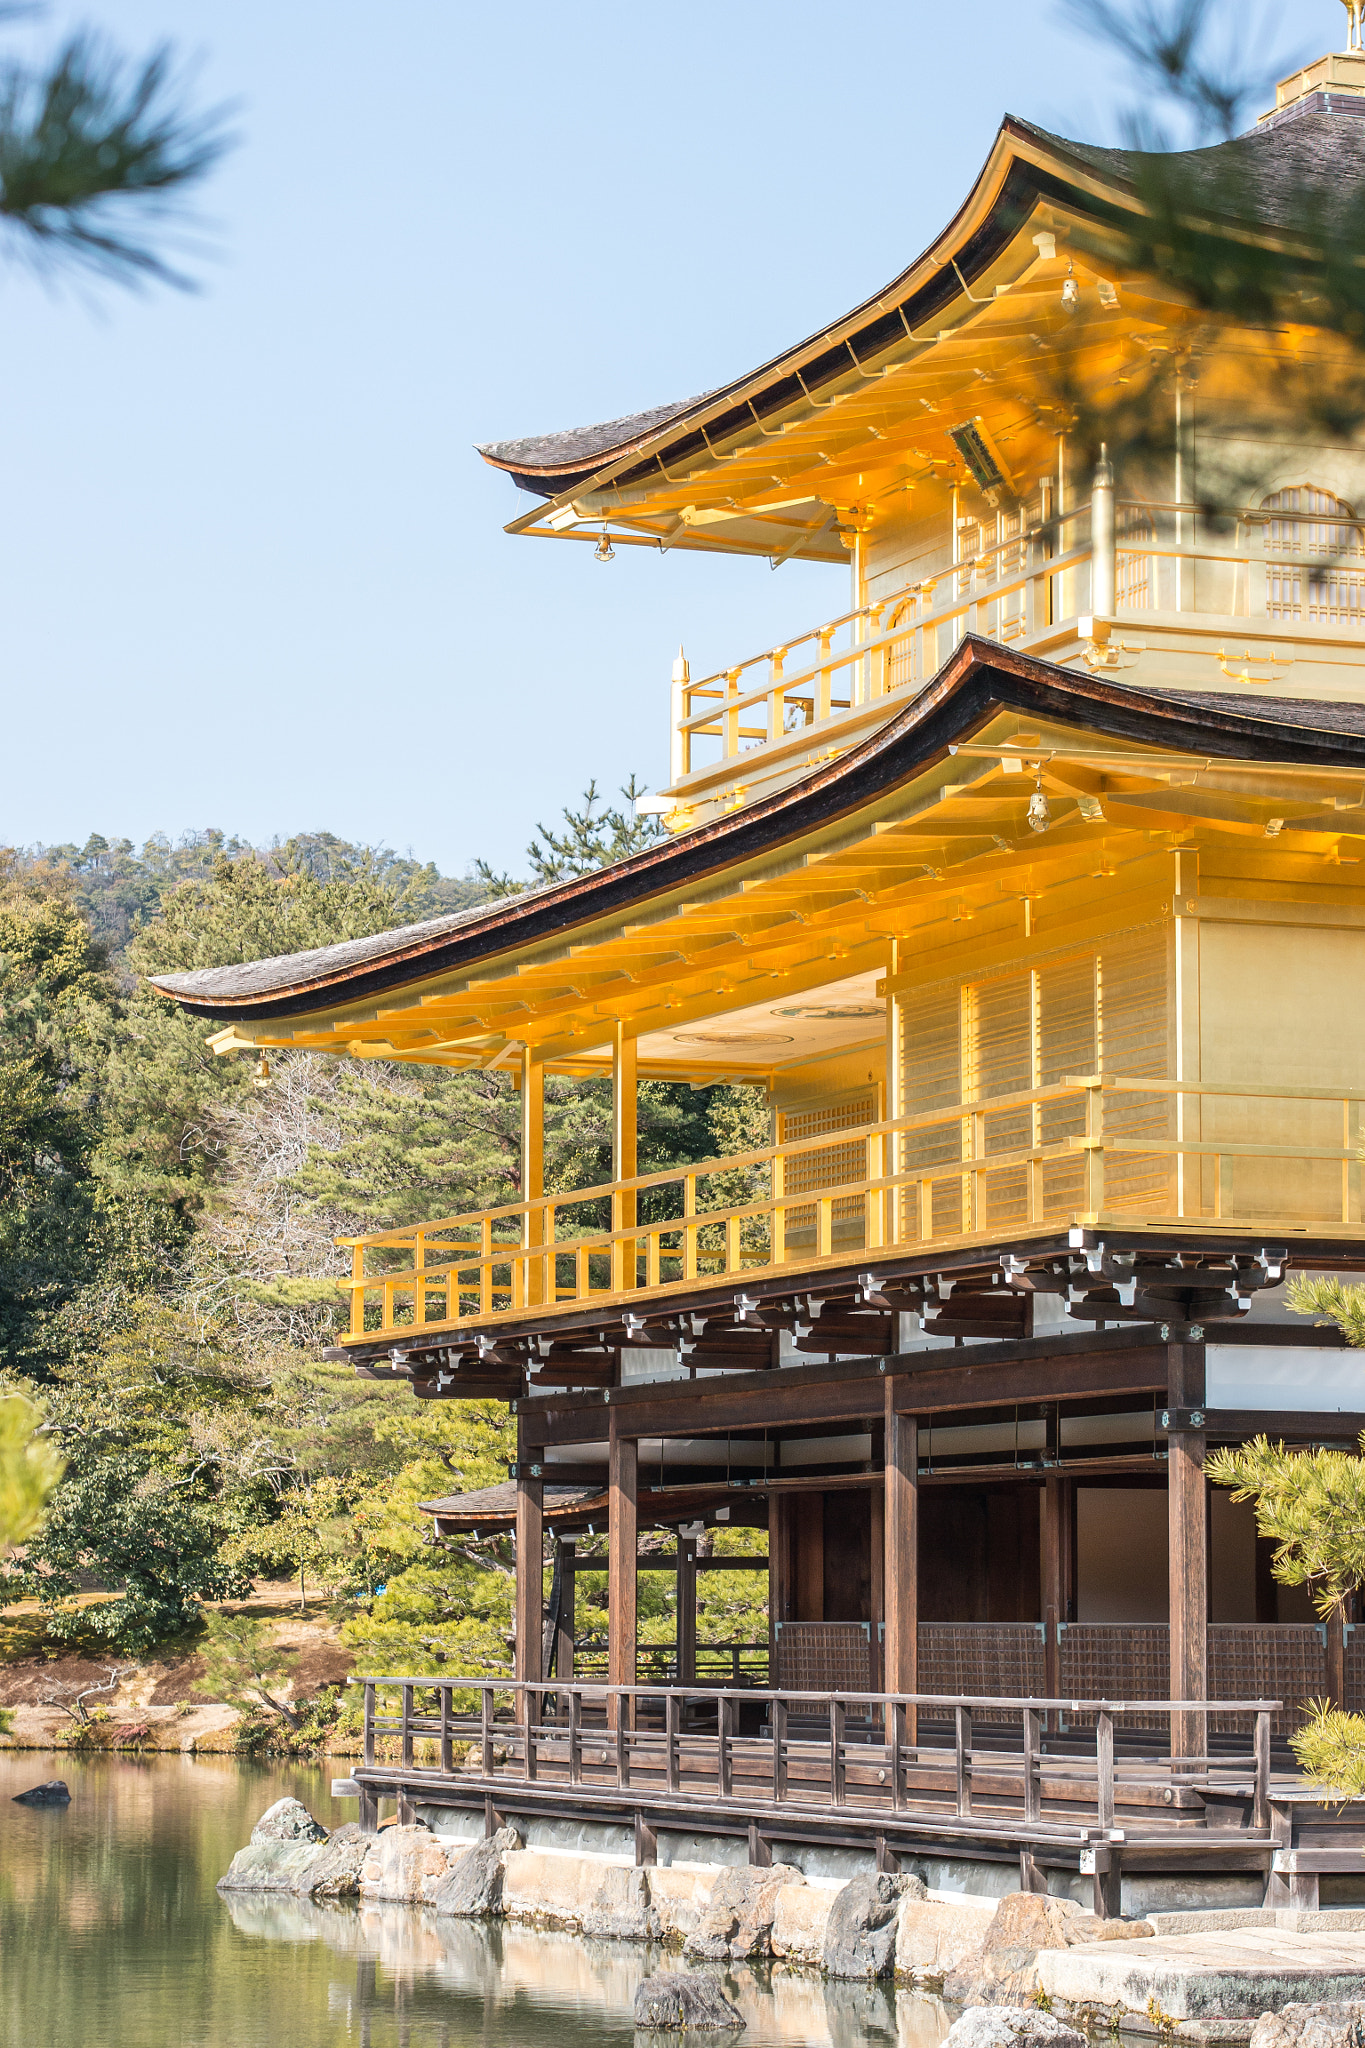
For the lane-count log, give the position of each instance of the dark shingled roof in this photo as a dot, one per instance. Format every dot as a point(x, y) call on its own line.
point(1257, 180)
point(287, 970)
point(580, 445)
point(979, 675)
point(491, 1502)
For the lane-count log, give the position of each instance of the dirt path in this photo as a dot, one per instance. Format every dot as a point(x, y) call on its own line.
point(158, 1694)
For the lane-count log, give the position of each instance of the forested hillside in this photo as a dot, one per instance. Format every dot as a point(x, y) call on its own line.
point(167, 1258)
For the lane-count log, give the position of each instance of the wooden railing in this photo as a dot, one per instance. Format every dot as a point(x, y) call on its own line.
point(1024, 589)
point(728, 1663)
point(855, 1750)
point(1084, 1149)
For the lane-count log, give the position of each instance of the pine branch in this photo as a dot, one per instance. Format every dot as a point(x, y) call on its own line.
point(92, 148)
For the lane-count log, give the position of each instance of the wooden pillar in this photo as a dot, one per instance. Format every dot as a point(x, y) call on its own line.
point(624, 1149)
point(1335, 1632)
point(530, 1607)
point(900, 1663)
point(567, 1628)
point(532, 1163)
point(687, 1610)
point(781, 1575)
point(1188, 1555)
point(877, 1588)
point(1055, 1538)
point(622, 1491)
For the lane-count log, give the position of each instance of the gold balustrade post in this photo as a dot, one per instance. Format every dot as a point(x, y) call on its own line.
point(777, 696)
point(1094, 1157)
point(624, 1152)
point(893, 1151)
point(532, 1174)
point(357, 1292)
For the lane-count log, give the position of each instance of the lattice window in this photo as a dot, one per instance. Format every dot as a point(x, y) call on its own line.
point(825, 1166)
point(1327, 585)
point(1103, 1010)
point(815, 1654)
point(1133, 572)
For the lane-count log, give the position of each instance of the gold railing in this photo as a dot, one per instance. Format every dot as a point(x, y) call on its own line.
point(1086, 1149)
point(1025, 588)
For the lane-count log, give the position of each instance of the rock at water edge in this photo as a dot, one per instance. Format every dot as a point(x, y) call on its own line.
point(1005, 1967)
point(860, 1934)
point(473, 1888)
point(403, 1865)
point(53, 1793)
point(335, 1866)
point(1011, 2026)
point(288, 1820)
point(621, 1909)
point(737, 1923)
point(1335, 2024)
point(684, 1998)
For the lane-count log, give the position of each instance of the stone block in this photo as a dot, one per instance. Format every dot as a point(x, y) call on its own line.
point(800, 1917)
point(1239, 1974)
point(934, 1935)
point(679, 1896)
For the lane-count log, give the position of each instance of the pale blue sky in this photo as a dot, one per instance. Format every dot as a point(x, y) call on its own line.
point(252, 573)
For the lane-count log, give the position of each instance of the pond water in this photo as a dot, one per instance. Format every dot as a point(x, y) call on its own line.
point(112, 1936)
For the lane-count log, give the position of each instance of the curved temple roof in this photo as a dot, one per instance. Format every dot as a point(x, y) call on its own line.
point(980, 679)
point(1254, 182)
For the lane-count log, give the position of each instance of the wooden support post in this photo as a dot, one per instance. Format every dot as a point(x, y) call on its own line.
point(760, 1851)
point(533, 1166)
point(368, 1816)
point(687, 1610)
point(900, 1660)
point(1053, 1597)
point(1335, 1632)
point(624, 1150)
point(1188, 1557)
point(622, 1493)
point(781, 1573)
point(646, 1843)
point(567, 1620)
point(877, 1595)
point(530, 1607)
point(1107, 1893)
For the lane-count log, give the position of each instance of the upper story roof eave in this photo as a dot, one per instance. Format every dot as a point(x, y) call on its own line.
point(1026, 165)
point(980, 680)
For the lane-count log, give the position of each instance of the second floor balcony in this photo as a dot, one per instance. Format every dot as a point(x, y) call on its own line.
point(1100, 1153)
point(1269, 601)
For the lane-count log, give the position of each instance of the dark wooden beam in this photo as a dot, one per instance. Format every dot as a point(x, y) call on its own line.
point(1067, 1368)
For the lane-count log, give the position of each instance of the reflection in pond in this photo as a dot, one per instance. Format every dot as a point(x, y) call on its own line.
point(113, 1936)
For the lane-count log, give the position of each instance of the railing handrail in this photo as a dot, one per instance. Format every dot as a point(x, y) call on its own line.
point(1069, 1087)
point(849, 1694)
